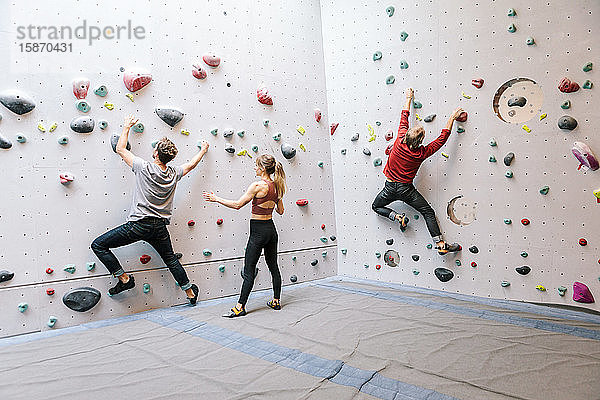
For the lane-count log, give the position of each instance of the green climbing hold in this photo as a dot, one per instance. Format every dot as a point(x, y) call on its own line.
point(507, 221)
point(63, 140)
point(324, 254)
point(323, 239)
point(241, 133)
point(21, 138)
point(511, 12)
point(378, 254)
point(544, 190)
point(343, 151)
point(417, 104)
point(101, 91)
point(390, 80)
point(492, 158)
point(366, 265)
point(320, 164)
point(530, 41)
point(588, 67)
point(458, 263)
point(403, 64)
point(277, 136)
point(254, 148)
point(512, 28)
point(566, 105)
point(265, 122)
point(429, 246)
point(23, 307)
point(102, 124)
point(493, 142)
point(416, 216)
point(524, 254)
point(377, 56)
point(146, 288)
point(561, 290)
point(403, 35)
point(390, 11)
point(508, 174)
point(154, 143)
point(460, 129)
point(83, 106)
point(139, 127)
point(221, 268)
point(378, 123)
point(215, 131)
point(51, 321)
point(587, 84)
point(90, 266)
point(415, 271)
point(377, 162)
point(207, 252)
point(505, 283)
point(70, 268)
point(294, 258)
point(344, 251)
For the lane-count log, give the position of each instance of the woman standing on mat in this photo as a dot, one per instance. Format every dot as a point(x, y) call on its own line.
point(266, 195)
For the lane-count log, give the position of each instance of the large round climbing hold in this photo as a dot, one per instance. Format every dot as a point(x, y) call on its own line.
point(82, 124)
point(524, 270)
point(443, 274)
point(567, 86)
point(171, 116)
point(585, 155)
point(136, 78)
point(5, 143)
point(211, 60)
point(81, 299)
point(474, 249)
point(288, 151)
point(293, 278)
point(263, 96)
point(17, 101)
point(517, 101)
point(6, 275)
point(581, 293)
point(567, 122)
point(391, 258)
point(114, 140)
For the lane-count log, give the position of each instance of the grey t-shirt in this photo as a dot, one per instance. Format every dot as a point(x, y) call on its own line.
point(154, 190)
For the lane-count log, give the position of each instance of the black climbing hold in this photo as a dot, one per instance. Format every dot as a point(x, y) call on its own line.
point(366, 152)
point(17, 102)
point(429, 118)
point(354, 137)
point(82, 124)
point(5, 143)
point(332, 238)
point(524, 270)
point(171, 116)
point(517, 101)
point(415, 257)
point(314, 262)
point(288, 151)
point(293, 278)
point(508, 159)
point(6, 276)
point(474, 249)
point(114, 140)
point(389, 242)
point(81, 299)
point(444, 274)
point(178, 255)
point(229, 148)
point(567, 122)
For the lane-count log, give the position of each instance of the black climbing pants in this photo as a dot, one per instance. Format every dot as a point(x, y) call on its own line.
point(150, 229)
point(263, 235)
point(407, 193)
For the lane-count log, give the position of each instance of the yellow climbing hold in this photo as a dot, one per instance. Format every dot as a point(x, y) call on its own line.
point(244, 152)
point(302, 147)
point(185, 132)
point(544, 115)
point(466, 96)
point(540, 288)
point(41, 127)
point(372, 138)
point(129, 96)
point(301, 129)
point(597, 194)
point(418, 117)
point(53, 127)
point(372, 135)
point(445, 155)
point(526, 129)
point(109, 106)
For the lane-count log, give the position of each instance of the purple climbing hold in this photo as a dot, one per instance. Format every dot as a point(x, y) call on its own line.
point(17, 101)
point(581, 293)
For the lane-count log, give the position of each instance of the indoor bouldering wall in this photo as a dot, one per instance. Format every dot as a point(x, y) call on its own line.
point(46, 226)
point(533, 212)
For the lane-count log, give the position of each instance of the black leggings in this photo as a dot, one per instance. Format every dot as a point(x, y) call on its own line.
point(263, 235)
point(407, 193)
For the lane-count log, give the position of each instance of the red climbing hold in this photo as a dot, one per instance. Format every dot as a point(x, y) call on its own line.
point(323, 226)
point(49, 292)
point(462, 117)
point(473, 264)
point(135, 79)
point(219, 221)
point(525, 221)
point(66, 178)
point(198, 72)
point(263, 96)
point(211, 60)
point(582, 242)
point(49, 270)
point(378, 266)
point(566, 86)
point(478, 83)
point(317, 115)
point(334, 126)
point(191, 222)
point(389, 135)
point(145, 259)
point(80, 87)
point(388, 149)
point(302, 202)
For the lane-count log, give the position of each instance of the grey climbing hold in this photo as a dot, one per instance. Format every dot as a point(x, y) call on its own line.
point(6, 275)
point(509, 174)
point(82, 124)
point(114, 139)
point(81, 299)
point(566, 105)
point(474, 249)
point(415, 257)
point(83, 106)
point(288, 151)
point(505, 283)
point(544, 190)
point(512, 28)
point(228, 133)
point(51, 321)
point(389, 241)
point(508, 159)
point(20, 138)
point(561, 290)
point(314, 262)
point(492, 158)
point(5, 143)
point(101, 91)
point(103, 124)
point(391, 258)
point(377, 56)
point(517, 101)
point(366, 152)
point(171, 116)
point(417, 104)
point(146, 288)
point(530, 41)
point(567, 122)
point(403, 35)
point(511, 12)
point(429, 118)
point(354, 137)
point(390, 11)
point(377, 161)
point(17, 101)
point(390, 80)
point(229, 148)
point(293, 278)
point(588, 67)
point(587, 84)
point(403, 64)
point(22, 307)
point(524, 270)
point(443, 274)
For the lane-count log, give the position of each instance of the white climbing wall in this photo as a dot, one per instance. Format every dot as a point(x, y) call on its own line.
point(45, 224)
point(449, 43)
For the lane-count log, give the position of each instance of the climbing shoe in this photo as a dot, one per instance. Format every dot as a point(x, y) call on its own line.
point(274, 305)
point(448, 248)
point(120, 286)
point(403, 222)
point(195, 298)
point(234, 312)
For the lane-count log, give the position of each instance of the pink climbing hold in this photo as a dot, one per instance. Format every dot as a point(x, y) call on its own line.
point(566, 86)
point(317, 115)
point(211, 60)
point(80, 87)
point(581, 293)
point(462, 117)
point(136, 78)
point(198, 72)
point(66, 178)
point(585, 155)
point(478, 83)
point(263, 96)
point(389, 135)
point(334, 126)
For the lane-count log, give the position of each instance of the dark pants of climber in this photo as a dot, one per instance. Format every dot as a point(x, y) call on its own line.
point(407, 193)
point(263, 235)
point(152, 230)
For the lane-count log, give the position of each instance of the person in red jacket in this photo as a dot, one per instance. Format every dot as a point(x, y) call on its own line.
point(405, 157)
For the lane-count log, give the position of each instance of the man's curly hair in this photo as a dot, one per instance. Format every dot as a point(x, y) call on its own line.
point(166, 150)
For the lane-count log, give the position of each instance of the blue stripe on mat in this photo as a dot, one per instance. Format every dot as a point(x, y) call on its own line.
point(472, 312)
point(336, 371)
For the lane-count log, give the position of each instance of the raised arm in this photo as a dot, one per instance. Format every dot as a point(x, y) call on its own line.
point(235, 204)
point(125, 154)
point(410, 94)
point(441, 140)
point(190, 165)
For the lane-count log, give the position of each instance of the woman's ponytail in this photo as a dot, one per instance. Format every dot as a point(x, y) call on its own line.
point(279, 179)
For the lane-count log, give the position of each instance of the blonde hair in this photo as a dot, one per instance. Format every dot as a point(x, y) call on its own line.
point(414, 137)
point(166, 150)
point(271, 166)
